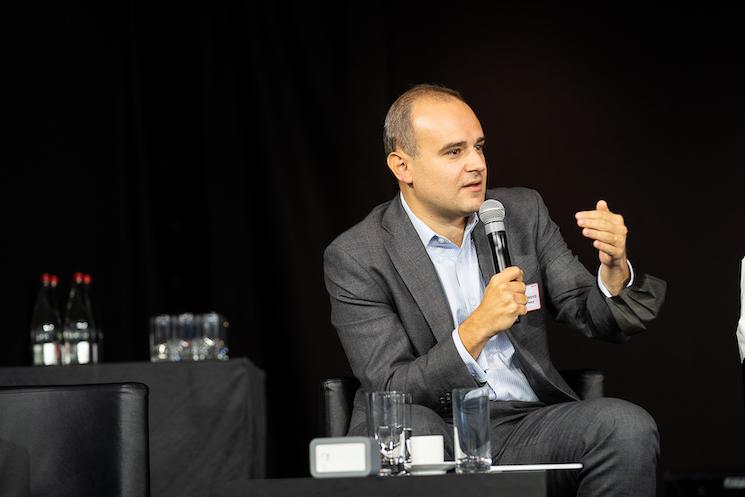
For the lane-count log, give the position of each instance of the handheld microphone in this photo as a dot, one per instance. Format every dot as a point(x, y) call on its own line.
point(491, 213)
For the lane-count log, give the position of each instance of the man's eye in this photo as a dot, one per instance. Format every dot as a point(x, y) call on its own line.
point(480, 147)
point(453, 151)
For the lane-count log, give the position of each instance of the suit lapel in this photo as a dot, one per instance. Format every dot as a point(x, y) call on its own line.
point(483, 252)
point(416, 269)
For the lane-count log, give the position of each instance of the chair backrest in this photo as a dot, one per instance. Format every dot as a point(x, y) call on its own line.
point(337, 397)
point(82, 440)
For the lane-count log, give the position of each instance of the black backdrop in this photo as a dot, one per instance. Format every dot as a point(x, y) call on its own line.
point(195, 157)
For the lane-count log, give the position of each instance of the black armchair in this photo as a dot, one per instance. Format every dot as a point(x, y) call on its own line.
point(337, 396)
point(83, 440)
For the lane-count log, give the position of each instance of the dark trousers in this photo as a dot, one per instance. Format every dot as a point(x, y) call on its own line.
point(615, 440)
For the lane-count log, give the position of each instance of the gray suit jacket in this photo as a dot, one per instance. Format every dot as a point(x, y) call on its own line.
point(391, 313)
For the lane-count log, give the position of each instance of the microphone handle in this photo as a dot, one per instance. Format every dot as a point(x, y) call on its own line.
point(500, 254)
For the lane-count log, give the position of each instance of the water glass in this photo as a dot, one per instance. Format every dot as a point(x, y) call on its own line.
point(188, 337)
point(471, 430)
point(212, 343)
point(408, 423)
point(385, 421)
point(160, 332)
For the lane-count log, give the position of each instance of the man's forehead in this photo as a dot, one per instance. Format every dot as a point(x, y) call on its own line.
point(447, 119)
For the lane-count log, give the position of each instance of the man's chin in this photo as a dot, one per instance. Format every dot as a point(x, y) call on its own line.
point(475, 203)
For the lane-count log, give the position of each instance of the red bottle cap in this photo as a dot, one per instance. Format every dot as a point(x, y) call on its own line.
point(77, 277)
point(45, 278)
point(87, 279)
point(54, 279)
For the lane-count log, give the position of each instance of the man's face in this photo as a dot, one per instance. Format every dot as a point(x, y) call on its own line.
point(448, 173)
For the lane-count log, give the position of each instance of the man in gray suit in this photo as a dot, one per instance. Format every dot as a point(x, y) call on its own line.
point(418, 306)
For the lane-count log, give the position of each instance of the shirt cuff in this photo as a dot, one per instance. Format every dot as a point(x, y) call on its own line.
point(604, 289)
point(478, 367)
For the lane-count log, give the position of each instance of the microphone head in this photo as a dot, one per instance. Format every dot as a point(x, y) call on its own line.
point(491, 211)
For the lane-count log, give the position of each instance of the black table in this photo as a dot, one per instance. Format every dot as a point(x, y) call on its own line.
point(207, 419)
point(514, 484)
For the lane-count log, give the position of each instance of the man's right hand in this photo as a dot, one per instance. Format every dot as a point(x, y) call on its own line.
point(504, 300)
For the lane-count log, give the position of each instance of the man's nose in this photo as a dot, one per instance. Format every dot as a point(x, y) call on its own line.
point(475, 161)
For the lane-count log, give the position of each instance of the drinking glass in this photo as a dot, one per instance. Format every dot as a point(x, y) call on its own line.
point(160, 332)
point(408, 423)
point(180, 343)
point(213, 336)
point(471, 430)
point(385, 421)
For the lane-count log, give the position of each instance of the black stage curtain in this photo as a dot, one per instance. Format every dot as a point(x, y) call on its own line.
point(201, 156)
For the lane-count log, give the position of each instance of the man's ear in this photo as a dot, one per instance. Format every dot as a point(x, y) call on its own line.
point(398, 163)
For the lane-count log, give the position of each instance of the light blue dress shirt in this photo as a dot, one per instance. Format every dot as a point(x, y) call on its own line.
point(497, 367)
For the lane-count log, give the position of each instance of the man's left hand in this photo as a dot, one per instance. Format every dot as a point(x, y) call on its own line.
point(608, 232)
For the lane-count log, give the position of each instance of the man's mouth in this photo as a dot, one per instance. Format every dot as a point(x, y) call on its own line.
point(473, 186)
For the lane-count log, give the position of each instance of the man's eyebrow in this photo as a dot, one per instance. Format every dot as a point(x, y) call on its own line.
point(460, 144)
point(447, 147)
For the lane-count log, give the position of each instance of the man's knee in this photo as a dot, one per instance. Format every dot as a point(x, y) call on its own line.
point(425, 421)
point(619, 420)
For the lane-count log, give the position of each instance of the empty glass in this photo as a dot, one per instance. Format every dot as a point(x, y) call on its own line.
point(471, 430)
point(212, 337)
point(160, 332)
point(408, 423)
point(385, 421)
point(188, 337)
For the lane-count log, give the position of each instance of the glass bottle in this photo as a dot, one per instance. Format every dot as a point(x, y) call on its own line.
point(77, 328)
point(45, 325)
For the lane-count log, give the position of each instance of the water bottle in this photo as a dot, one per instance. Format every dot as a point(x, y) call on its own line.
point(45, 325)
point(95, 331)
point(78, 327)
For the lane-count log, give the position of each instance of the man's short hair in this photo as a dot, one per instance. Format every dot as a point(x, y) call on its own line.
point(398, 132)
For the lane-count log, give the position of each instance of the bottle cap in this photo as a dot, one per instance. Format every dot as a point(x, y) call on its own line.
point(77, 277)
point(45, 278)
point(54, 279)
point(87, 279)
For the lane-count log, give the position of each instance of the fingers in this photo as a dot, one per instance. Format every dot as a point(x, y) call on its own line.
point(607, 230)
point(602, 225)
point(607, 216)
point(514, 287)
point(513, 290)
point(616, 239)
point(609, 249)
point(512, 273)
point(520, 298)
point(602, 211)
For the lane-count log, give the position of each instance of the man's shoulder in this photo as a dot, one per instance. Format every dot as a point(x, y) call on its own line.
point(516, 195)
point(363, 234)
point(524, 206)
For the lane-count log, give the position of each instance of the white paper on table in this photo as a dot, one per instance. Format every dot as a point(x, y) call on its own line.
point(741, 324)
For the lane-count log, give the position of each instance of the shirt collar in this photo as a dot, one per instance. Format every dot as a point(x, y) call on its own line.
point(426, 234)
